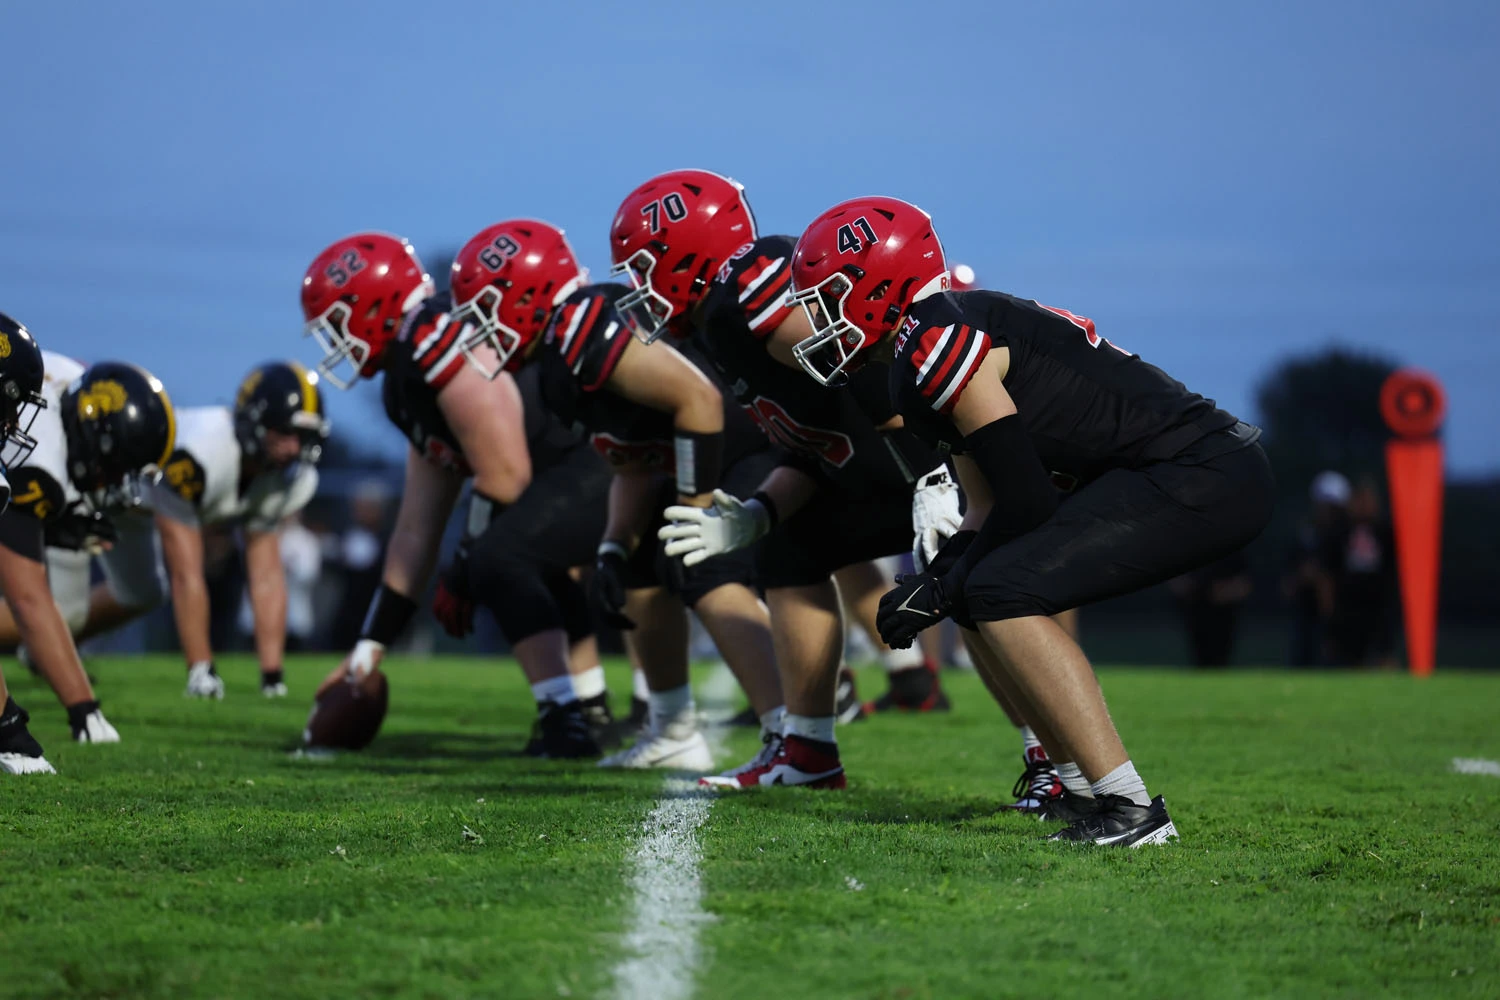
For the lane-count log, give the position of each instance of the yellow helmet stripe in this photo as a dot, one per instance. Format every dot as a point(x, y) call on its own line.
point(166, 405)
point(309, 390)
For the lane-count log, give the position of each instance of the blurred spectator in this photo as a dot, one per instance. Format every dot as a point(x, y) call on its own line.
point(360, 554)
point(1362, 627)
point(1209, 600)
point(1316, 563)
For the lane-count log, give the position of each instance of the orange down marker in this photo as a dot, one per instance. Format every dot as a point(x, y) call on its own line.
point(1412, 403)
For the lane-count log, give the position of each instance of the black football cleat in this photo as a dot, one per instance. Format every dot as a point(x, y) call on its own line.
point(20, 753)
point(607, 730)
point(1118, 822)
point(915, 689)
point(640, 714)
point(1069, 807)
point(846, 706)
point(562, 732)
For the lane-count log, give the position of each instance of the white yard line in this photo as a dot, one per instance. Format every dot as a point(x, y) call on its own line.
point(666, 915)
point(1476, 765)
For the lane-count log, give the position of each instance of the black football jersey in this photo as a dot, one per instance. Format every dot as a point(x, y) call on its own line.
point(834, 431)
point(1088, 405)
point(578, 354)
point(420, 362)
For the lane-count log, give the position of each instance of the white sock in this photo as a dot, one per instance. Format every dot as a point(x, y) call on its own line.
point(773, 721)
point(1123, 781)
point(589, 684)
point(1073, 779)
point(557, 689)
point(672, 712)
point(1031, 747)
point(638, 686)
point(809, 727)
point(903, 659)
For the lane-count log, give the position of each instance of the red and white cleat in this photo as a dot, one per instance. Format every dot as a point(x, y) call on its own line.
point(789, 760)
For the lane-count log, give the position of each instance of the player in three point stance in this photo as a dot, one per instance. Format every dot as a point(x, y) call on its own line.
point(667, 433)
point(101, 442)
point(539, 491)
point(252, 466)
point(21, 375)
point(687, 242)
point(1089, 472)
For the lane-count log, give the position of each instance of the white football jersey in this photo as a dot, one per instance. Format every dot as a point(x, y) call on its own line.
point(41, 486)
point(200, 483)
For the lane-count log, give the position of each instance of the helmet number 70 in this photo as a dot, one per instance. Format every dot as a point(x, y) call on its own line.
point(671, 206)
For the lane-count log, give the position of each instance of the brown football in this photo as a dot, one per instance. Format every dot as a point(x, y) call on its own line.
point(347, 716)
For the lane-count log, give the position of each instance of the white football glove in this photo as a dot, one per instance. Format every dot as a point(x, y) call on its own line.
point(365, 658)
point(699, 533)
point(934, 515)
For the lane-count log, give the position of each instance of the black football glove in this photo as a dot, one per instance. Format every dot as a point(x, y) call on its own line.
point(916, 602)
point(608, 587)
point(79, 529)
point(452, 604)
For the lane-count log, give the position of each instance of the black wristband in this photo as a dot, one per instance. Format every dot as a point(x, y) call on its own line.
point(769, 505)
point(389, 612)
point(700, 462)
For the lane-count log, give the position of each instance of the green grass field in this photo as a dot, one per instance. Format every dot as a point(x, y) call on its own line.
point(1328, 850)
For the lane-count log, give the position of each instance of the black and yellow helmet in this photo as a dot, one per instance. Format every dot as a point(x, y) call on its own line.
point(281, 396)
point(120, 428)
point(21, 373)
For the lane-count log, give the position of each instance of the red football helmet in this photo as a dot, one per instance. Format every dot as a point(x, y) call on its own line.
point(855, 272)
point(669, 237)
point(353, 297)
point(506, 282)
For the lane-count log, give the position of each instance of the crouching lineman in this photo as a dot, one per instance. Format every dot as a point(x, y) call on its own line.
point(539, 495)
point(665, 429)
point(100, 443)
point(842, 495)
point(21, 380)
point(1090, 474)
point(252, 466)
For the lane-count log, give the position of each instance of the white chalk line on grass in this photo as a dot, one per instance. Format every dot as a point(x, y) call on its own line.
point(1476, 765)
point(661, 944)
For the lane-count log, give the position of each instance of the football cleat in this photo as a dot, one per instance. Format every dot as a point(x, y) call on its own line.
point(204, 682)
point(1038, 786)
point(796, 761)
point(608, 731)
point(659, 750)
point(640, 714)
point(562, 732)
point(273, 683)
point(846, 706)
point(912, 690)
point(89, 724)
point(20, 753)
point(770, 746)
point(1118, 822)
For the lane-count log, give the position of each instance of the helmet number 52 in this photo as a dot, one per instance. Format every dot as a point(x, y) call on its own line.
point(671, 206)
point(349, 264)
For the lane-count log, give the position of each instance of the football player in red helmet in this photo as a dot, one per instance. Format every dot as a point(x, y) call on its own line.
point(538, 497)
point(1160, 480)
point(662, 424)
point(688, 243)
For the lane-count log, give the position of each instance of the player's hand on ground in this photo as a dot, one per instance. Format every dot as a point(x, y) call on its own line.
point(916, 602)
point(357, 667)
point(452, 604)
point(609, 586)
point(699, 533)
point(935, 516)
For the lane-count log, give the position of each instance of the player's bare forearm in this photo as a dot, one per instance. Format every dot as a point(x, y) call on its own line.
point(267, 596)
point(182, 549)
point(490, 423)
point(426, 502)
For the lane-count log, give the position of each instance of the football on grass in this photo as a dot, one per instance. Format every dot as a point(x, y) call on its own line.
point(347, 716)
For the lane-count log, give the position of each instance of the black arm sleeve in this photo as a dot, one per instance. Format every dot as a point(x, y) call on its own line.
point(1023, 492)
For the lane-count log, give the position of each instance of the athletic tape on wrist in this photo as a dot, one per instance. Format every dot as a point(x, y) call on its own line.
point(700, 459)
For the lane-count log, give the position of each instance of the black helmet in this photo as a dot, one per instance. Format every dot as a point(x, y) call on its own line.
point(120, 428)
point(21, 372)
point(280, 396)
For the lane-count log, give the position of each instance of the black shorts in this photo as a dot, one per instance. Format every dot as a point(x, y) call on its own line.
point(649, 565)
point(22, 533)
point(836, 529)
point(1125, 531)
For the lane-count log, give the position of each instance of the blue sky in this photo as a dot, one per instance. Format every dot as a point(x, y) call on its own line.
point(1216, 185)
